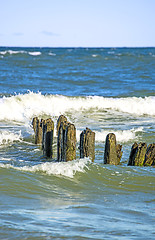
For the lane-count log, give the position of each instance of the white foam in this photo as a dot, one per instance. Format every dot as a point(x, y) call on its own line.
point(5, 159)
point(23, 107)
point(52, 54)
point(11, 52)
point(94, 55)
point(67, 169)
point(121, 135)
point(3, 52)
point(34, 53)
point(7, 137)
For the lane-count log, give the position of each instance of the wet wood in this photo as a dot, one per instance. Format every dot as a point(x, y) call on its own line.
point(150, 155)
point(61, 119)
point(70, 143)
point(113, 153)
point(48, 138)
point(137, 154)
point(34, 124)
point(38, 133)
point(87, 144)
point(61, 127)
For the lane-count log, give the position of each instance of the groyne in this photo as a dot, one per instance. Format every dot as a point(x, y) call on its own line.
point(140, 154)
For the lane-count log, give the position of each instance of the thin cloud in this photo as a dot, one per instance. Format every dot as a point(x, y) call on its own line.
point(50, 34)
point(18, 34)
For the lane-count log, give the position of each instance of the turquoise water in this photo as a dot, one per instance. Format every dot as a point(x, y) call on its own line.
point(107, 90)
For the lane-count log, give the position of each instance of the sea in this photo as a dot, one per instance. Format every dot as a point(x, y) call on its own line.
point(109, 90)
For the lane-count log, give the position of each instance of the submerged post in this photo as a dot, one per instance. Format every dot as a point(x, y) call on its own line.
point(137, 154)
point(87, 144)
point(48, 134)
point(113, 153)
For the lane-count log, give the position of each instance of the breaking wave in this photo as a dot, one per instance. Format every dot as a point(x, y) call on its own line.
point(34, 53)
point(7, 137)
point(12, 52)
point(24, 106)
point(121, 135)
point(67, 169)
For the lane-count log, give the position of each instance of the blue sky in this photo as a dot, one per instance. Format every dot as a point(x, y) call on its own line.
point(77, 23)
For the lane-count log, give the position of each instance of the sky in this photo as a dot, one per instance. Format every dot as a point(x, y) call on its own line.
point(77, 23)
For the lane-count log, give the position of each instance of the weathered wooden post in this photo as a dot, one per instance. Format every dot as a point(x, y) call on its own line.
point(61, 118)
point(70, 142)
point(137, 154)
point(61, 126)
point(48, 126)
point(38, 134)
point(43, 134)
point(87, 144)
point(66, 141)
point(113, 153)
point(62, 133)
point(150, 155)
point(34, 124)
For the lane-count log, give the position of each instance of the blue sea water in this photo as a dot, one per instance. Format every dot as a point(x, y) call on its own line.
point(105, 89)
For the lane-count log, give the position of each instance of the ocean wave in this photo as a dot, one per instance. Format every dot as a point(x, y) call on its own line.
point(52, 54)
point(34, 53)
point(23, 107)
point(121, 135)
point(7, 137)
point(11, 52)
point(95, 55)
point(67, 169)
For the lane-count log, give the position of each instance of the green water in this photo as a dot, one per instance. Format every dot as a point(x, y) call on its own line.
point(104, 89)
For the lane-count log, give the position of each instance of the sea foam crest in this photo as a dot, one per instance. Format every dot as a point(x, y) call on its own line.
point(7, 137)
point(25, 106)
point(52, 54)
point(11, 52)
point(121, 135)
point(67, 169)
point(34, 53)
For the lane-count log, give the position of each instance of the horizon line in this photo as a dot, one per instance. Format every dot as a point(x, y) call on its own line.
point(76, 47)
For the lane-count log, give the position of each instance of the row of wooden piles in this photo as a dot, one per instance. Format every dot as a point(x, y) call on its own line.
point(140, 154)
point(66, 139)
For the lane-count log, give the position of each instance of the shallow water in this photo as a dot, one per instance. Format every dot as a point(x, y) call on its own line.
point(107, 90)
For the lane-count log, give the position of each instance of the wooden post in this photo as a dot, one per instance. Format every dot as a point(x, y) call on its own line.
point(87, 144)
point(34, 124)
point(43, 134)
point(61, 118)
point(38, 135)
point(70, 142)
point(62, 140)
point(150, 155)
point(137, 154)
point(48, 138)
point(113, 153)
point(61, 126)
point(66, 141)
